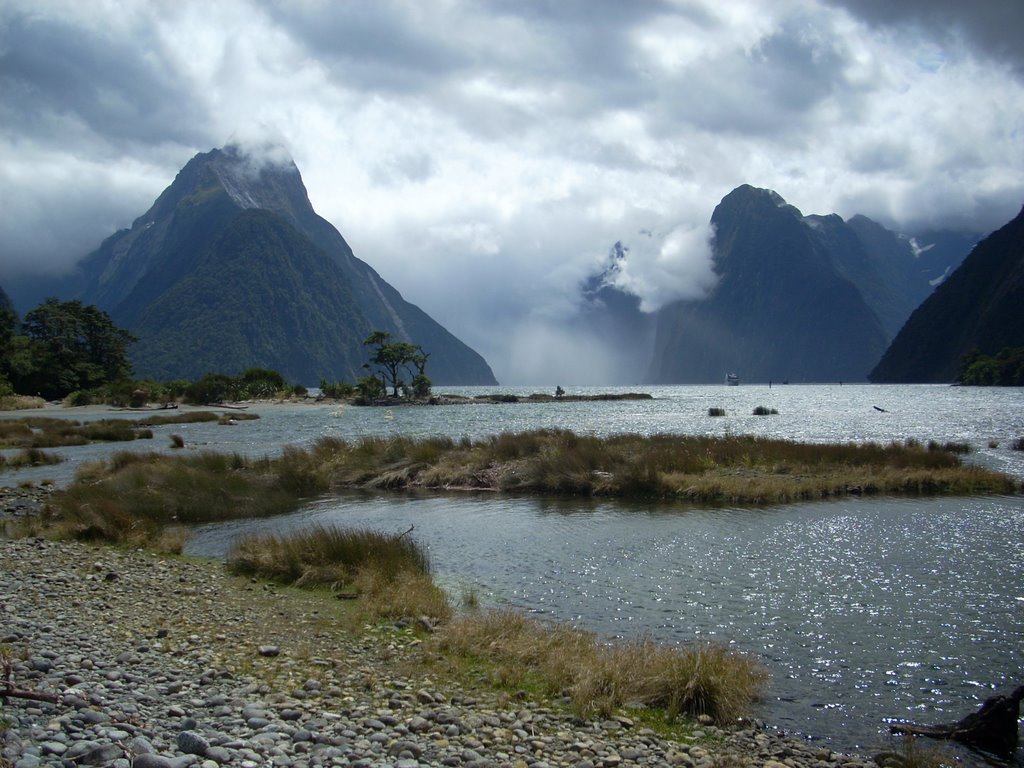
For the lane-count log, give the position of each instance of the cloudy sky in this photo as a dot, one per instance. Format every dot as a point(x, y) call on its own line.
point(484, 156)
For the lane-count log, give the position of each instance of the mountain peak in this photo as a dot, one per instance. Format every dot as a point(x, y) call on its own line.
point(259, 177)
point(232, 268)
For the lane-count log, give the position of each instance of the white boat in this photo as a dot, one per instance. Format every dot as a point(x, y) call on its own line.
point(732, 380)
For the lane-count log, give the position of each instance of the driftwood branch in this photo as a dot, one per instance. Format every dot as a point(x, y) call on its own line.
point(993, 728)
point(406, 533)
point(20, 693)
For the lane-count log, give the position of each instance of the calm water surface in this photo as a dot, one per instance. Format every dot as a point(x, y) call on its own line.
point(861, 609)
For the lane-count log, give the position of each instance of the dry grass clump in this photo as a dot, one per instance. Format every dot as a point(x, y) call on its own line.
point(701, 680)
point(29, 457)
point(20, 402)
point(132, 497)
point(391, 572)
point(49, 432)
point(915, 753)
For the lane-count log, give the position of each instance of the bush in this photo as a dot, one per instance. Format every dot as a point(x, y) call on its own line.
point(369, 389)
point(338, 390)
point(763, 410)
point(1018, 444)
point(716, 411)
point(78, 398)
point(212, 388)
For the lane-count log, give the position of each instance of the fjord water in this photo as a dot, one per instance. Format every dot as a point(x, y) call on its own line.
point(861, 609)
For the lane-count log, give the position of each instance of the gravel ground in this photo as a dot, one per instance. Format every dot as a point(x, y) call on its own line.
point(163, 662)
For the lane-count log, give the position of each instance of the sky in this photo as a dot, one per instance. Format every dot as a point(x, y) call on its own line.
point(485, 156)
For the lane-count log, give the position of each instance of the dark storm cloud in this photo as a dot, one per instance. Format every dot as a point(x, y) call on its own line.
point(59, 79)
point(372, 46)
point(991, 28)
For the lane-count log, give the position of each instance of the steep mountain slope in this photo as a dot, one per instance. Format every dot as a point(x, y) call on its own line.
point(231, 267)
point(894, 272)
point(978, 307)
point(781, 309)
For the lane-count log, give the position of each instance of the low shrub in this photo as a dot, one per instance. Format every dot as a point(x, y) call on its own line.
point(1018, 444)
point(763, 410)
point(715, 411)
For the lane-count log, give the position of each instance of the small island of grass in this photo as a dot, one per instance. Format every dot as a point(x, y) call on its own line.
point(141, 496)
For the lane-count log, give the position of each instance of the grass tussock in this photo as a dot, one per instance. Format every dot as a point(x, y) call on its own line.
point(52, 432)
point(29, 457)
point(133, 497)
point(390, 572)
point(48, 432)
point(700, 680)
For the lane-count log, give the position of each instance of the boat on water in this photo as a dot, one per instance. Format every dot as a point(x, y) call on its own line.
point(732, 380)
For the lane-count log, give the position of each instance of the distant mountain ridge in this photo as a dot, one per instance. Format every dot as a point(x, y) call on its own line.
point(978, 308)
point(232, 268)
point(799, 298)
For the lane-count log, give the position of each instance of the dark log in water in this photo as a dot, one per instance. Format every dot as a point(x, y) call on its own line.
point(993, 728)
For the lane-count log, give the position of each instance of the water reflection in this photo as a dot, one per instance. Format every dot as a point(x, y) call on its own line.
point(861, 609)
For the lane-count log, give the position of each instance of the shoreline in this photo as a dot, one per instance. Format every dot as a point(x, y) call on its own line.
point(213, 669)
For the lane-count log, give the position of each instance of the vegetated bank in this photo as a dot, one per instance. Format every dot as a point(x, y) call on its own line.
point(142, 494)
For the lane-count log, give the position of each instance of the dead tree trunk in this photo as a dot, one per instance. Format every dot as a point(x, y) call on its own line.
point(993, 728)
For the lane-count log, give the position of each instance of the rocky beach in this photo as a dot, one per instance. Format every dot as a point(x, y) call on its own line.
point(154, 661)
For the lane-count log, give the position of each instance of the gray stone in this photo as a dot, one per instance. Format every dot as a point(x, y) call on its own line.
point(191, 743)
point(100, 754)
point(53, 748)
point(219, 754)
point(148, 760)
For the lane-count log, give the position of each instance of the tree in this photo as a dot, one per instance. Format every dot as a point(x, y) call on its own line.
point(391, 358)
point(8, 327)
point(72, 346)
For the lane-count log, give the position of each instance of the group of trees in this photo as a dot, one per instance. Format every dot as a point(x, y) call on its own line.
point(390, 362)
point(66, 348)
point(1005, 369)
point(61, 347)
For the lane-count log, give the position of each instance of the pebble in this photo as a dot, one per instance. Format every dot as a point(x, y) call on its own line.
point(204, 693)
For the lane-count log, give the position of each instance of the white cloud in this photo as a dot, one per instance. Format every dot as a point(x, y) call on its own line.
point(484, 157)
